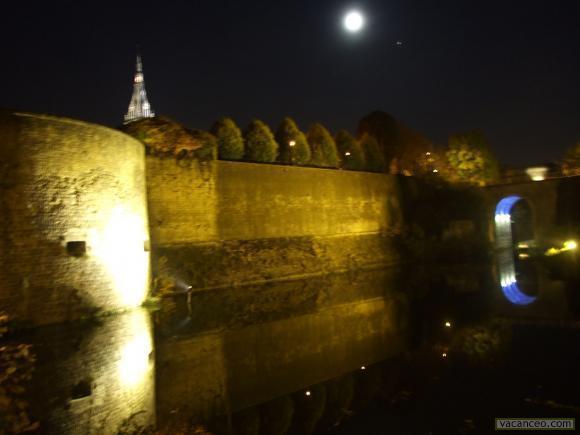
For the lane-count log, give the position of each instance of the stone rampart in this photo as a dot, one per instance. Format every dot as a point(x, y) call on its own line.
point(73, 219)
point(225, 223)
point(78, 202)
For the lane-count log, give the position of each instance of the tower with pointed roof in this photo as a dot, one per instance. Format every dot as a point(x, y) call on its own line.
point(139, 106)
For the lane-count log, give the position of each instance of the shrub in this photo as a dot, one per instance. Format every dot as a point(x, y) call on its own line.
point(293, 145)
point(16, 366)
point(375, 160)
point(260, 143)
point(229, 139)
point(208, 149)
point(323, 147)
point(163, 136)
point(350, 152)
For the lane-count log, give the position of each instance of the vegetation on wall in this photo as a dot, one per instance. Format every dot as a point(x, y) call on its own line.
point(229, 139)
point(260, 143)
point(350, 151)
point(293, 147)
point(164, 137)
point(384, 145)
point(324, 153)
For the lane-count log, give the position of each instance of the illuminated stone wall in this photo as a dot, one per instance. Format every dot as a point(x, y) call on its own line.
point(234, 222)
point(73, 219)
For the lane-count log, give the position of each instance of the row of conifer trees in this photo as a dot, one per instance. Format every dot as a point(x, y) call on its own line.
point(316, 147)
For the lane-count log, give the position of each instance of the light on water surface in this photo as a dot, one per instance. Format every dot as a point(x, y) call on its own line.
point(134, 361)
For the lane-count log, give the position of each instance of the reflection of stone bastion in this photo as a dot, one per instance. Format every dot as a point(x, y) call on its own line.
point(73, 218)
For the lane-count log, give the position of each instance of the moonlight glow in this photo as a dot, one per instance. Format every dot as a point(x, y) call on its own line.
point(353, 21)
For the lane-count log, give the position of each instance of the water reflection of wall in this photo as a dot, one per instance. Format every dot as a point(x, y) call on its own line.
point(90, 379)
point(235, 366)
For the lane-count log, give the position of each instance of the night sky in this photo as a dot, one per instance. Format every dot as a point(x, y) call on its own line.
point(510, 68)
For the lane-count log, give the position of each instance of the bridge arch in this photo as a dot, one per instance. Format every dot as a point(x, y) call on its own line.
point(513, 221)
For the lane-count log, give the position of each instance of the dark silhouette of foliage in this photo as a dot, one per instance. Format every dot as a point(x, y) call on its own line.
point(229, 139)
point(276, 416)
point(208, 149)
point(260, 143)
point(403, 148)
point(375, 160)
point(571, 162)
point(293, 145)
point(163, 136)
point(351, 154)
point(16, 366)
point(323, 147)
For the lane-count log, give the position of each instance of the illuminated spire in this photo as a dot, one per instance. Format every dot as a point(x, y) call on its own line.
point(139, 106)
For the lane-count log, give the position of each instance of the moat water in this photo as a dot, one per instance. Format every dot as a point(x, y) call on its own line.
point(424, 350)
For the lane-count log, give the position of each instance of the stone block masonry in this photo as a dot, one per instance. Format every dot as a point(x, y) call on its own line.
point(73, 219)
point(79, 203)
point(226, 223)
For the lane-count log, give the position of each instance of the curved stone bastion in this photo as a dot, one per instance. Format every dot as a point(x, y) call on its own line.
point(73, 219)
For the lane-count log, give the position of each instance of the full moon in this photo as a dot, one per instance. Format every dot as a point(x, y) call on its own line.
point(353, 21)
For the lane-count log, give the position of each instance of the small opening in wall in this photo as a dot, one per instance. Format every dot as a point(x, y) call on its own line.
point(80, 390)
point(77, 248)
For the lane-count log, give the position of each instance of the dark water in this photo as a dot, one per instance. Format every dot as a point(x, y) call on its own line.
point(438, 350)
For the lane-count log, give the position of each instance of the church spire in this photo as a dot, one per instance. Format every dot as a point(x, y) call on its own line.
point(139, 106)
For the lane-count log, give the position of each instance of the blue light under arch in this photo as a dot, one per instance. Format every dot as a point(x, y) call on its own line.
point(507, 268)
point(504, 207)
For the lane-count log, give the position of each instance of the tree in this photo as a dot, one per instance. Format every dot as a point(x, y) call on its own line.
point(469, 160)
point(375, 159)
point(260, 143)
point(571, 163)
point(229, 139)
point(350, 152)
point(323, 147)
point(209, 145)
point(163, 136)
point(404, 149)
point(293, 145)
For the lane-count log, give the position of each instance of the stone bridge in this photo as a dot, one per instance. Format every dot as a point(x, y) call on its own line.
point(554, 206)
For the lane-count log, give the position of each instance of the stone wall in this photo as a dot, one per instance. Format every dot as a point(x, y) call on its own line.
point(73, 219)
point(224, 223)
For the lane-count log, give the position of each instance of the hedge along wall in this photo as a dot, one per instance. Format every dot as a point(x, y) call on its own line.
point(223, 223)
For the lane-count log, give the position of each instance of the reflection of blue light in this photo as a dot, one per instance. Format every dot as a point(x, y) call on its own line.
point(513, 294)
